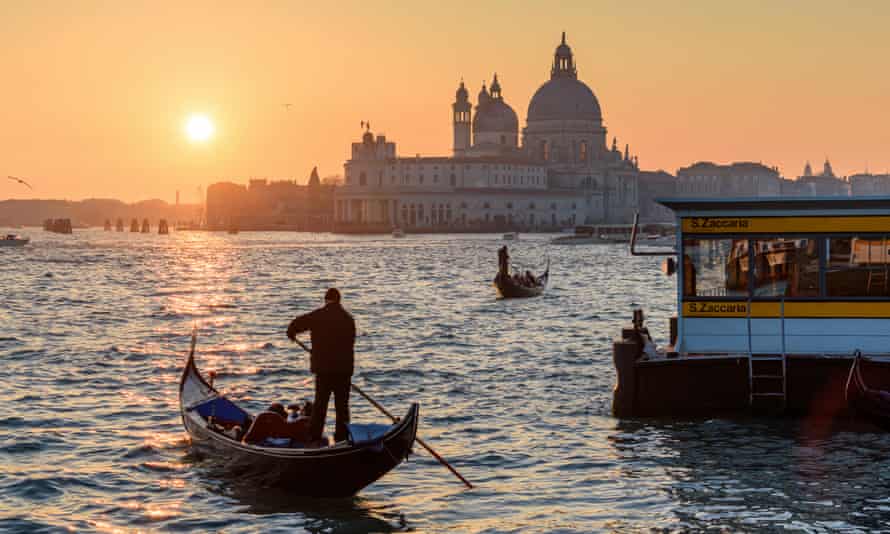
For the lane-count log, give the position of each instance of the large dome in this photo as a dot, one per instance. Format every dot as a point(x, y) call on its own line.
point(495, 115)
point(564, 98)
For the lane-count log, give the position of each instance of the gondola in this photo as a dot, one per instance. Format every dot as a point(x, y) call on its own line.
point(508, 288)
point(871, 404)
point(340, 470)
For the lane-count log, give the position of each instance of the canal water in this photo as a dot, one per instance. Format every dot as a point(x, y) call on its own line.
point(94, 330)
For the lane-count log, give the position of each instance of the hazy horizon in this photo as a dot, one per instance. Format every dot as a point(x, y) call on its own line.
point(97, 96)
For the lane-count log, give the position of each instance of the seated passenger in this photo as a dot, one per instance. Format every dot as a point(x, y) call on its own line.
point(268, 424)
point(298, 422)
point(530, 278)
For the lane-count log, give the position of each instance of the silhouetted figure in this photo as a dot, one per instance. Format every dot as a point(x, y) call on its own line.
point(332, 361)
point(503, 261)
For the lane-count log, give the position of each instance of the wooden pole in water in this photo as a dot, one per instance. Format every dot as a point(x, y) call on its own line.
point(385, 412)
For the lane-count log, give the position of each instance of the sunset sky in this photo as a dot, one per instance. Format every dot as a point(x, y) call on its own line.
point(95, 96)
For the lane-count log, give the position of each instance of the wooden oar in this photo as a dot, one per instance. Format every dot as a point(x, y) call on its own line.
point(395, 419)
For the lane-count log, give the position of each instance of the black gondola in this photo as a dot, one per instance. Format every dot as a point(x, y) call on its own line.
point(340, 470)
point(508, 288)
point(872, 404)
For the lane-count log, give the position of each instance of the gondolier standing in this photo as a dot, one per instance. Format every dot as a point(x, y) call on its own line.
point(503, 261)
point(332, 359)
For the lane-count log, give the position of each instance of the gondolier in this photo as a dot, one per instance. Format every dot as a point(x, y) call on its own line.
point(332, 331)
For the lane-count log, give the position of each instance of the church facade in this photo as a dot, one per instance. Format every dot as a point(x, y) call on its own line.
point(558, 171)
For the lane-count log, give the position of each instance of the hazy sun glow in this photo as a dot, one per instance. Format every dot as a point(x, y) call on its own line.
point(199, 128)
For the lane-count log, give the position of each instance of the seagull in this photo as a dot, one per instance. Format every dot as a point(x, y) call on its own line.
point(19, 180)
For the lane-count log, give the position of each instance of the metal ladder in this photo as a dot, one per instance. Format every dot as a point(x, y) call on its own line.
point(762, 371)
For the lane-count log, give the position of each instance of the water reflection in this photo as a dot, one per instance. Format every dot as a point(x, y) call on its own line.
point(759, 473)
point(356, 514)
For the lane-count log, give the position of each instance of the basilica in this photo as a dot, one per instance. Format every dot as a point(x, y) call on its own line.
point(559, 171)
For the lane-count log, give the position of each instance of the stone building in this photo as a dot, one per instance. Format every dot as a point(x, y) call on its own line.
point(866, 184)
point(742, 179)
point(559, 173)
point(823, 184)
point(270, 205)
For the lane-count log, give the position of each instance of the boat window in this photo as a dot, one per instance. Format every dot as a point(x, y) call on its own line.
point(715, 267)
point(786, 267)
point(857, 266)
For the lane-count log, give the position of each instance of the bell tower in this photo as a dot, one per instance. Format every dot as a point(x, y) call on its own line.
point(462, 110)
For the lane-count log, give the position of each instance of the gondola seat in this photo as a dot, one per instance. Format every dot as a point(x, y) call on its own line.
point(225, 413)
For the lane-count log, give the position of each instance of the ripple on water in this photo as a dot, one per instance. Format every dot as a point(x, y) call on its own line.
point(515, 394)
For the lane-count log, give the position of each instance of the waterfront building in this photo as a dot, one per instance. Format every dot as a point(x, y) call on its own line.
point(866, 184)
point(823, 184)
point(270, 205)
point(655, 185)
point(741, 179)
point(559, 173)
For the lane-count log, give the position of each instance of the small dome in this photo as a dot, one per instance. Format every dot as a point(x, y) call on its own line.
point(564, 98)
point(461, 93)
point(495, 116)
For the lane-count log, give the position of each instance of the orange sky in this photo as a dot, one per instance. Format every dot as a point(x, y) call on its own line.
point(94, 95)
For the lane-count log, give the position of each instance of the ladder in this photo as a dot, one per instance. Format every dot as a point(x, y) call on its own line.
point(767, 380)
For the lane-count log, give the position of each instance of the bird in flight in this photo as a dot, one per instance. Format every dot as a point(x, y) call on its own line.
point(287, 106)
point(19, 180)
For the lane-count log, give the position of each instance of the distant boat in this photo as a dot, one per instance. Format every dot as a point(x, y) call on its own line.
point(511, 236)
point(233, 230)
point(12, 240)
point(514, 287)
point(398, 232)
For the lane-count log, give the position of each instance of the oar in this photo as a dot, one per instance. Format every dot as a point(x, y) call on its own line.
point(385, 412)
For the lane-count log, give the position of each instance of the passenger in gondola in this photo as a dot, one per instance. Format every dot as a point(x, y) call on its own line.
point(530, 279)
point(270, 424)
point(332, 361)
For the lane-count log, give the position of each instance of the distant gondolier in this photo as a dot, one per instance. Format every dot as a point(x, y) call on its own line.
point(503, 261)
point(332, 332)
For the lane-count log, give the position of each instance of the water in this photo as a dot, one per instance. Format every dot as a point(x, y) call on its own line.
point(516, 394)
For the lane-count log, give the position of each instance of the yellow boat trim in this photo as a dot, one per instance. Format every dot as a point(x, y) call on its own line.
point(829, 310)
point(785, 225)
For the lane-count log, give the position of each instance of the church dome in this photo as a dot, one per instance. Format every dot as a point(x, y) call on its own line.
point(492, 113)
point(564, 99)
point(495, 116)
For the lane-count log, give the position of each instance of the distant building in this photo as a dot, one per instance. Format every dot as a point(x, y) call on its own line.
point(270, 205)
point(655, 185)
point(743, 179)
point(823, 184)
point(869, 184)
point(562, 173)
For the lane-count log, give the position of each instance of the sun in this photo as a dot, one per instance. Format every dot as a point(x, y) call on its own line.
point(199, 128)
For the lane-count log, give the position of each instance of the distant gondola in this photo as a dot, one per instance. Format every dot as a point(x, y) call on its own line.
point(871, 404)
point(508, 287)
point(340, 470)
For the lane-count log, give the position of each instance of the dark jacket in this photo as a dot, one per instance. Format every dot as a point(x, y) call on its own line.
point(333, 338)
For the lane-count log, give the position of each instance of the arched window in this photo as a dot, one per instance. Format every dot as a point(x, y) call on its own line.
point(362, 179)
point(503, 139)
point(545, 150)
point(582, 151)
point(453, 179)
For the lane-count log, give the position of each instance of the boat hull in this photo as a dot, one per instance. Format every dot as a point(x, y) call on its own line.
point(698, 386)
point(508, 289)
point(338, 471)
point(14, 242)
